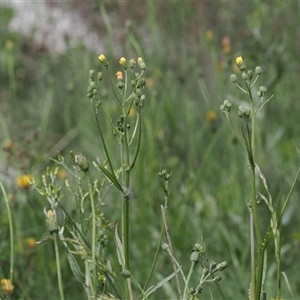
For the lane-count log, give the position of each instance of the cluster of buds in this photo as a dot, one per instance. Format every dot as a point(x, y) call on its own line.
point(244, 112)
point(247, 76)
point(163, 174)
point(92, 88)
point(208, 271)
point(226, 106)
point(137, 83)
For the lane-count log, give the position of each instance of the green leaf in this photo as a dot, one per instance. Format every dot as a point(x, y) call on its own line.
point(119, 245)
point(154, 287)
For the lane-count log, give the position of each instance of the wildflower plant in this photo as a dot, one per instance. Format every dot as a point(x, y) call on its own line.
point(260, 238)
point(86, 235)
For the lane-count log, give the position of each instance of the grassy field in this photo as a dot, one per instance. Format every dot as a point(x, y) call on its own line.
point(190, 51)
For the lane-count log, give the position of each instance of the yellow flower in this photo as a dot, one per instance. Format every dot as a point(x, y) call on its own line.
point(8, 145)
point(31, 243)
point(9, 45)
point(226, 44)
point(24, 181)
point(209, 35)
point(211, 116)
point(6, 286)
point(149, 82)
point(119, 75)
point(239, 61)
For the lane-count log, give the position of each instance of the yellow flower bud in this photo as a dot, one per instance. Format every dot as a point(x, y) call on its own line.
point(141, 63)
point(6, 286)
point(103, 60)
point(123, 62)
point(239, 61)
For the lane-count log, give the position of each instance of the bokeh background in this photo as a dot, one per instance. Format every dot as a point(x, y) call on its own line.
point(189, 47)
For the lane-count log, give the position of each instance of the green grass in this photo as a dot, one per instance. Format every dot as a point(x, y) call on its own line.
point(209, 186)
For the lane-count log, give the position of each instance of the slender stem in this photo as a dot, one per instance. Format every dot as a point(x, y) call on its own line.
point(155, 258)
point(171, 251)
point(126, 194)
point(253, 268)
point(87, 284)
point(11, 234)
point(185, 292)
point(94, 283)
point(59, 279)
point(256, 284)
point(286, 202)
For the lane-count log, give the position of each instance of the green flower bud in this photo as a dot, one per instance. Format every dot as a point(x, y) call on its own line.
point(258, 70)
point(226, 106)
point(165, 246)
point(243, 112)
point(244, 75)
point(91, 74)
point(120, 84)
point(138, 92)
point(233, 78)
point(205, 272)
point(100, 76)
point(194, 256)
point(82, 162)
point(132, 63)
point(259, 94)
point(222, 266)
point(262, 88)
point(133, 83)
point(250, 74)
point(51, 221)
point(93, 84)
point(212, 266)
point(89, 89)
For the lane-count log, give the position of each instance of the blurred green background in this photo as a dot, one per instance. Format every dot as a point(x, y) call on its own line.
point(189, 47)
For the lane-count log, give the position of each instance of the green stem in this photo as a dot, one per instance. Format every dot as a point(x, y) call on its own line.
point(158, 249)
point(253, 265)
point(126, 195)
point(11, 75)
point(94, 283)
point(185, 292)
point(260, 267)
point(4, 126)
point(286, 202)
point(256, 285)
point(58, 266)
point(11, 233)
